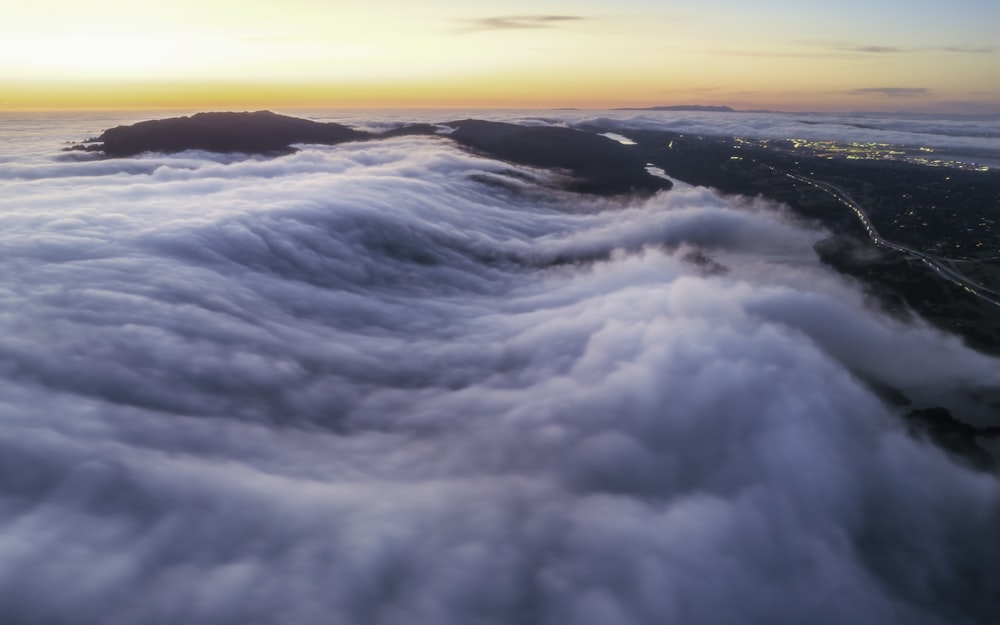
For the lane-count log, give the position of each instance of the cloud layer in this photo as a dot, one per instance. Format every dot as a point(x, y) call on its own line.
point(395, 383)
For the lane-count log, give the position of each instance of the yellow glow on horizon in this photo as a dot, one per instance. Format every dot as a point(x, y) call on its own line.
point(66, 54)
point(494, 91)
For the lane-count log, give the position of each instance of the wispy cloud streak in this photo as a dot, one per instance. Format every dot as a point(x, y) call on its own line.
point(872, 49)
point(516, 22)
point(827, 49)
point(891, 92)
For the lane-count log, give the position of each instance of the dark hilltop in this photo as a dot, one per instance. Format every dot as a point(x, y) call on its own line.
point(594, 164)
point(261, 132)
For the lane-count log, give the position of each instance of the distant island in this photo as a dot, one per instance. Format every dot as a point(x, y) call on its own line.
point(702, 108)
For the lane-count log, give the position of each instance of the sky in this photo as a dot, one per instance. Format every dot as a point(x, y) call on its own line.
point(845, 56)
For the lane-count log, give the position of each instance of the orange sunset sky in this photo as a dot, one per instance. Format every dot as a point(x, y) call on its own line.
point(907, 56)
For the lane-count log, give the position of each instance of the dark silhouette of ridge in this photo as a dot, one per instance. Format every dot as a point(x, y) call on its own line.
point(260, 132)
point(595, 164)
point(953, 435)
point(600, 165)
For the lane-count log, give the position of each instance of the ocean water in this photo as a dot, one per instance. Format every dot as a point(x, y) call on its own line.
point(394, 382)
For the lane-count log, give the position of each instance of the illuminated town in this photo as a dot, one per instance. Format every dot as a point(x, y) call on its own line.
point(860, 151)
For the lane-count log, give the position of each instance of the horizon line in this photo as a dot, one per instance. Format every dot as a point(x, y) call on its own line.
point(656, 108)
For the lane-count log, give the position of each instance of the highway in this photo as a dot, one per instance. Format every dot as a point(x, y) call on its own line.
point(935, 263)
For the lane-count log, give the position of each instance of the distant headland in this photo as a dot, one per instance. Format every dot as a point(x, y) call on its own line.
point(702, 108)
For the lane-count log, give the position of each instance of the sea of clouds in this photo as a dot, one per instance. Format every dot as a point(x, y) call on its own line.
point(393, 382)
